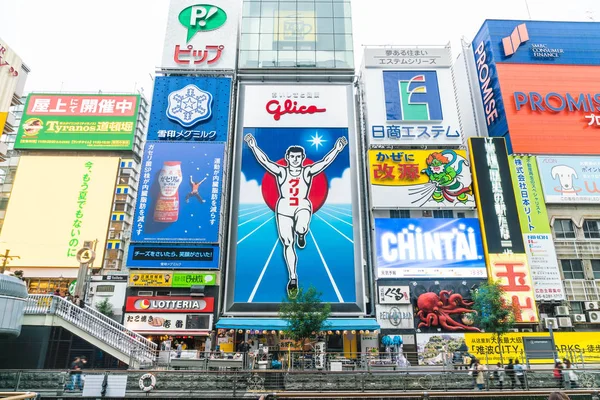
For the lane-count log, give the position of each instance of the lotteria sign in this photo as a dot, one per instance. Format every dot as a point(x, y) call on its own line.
point(169, 304)
point(429, 247)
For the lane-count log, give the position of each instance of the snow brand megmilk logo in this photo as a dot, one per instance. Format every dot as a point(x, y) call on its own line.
point(189, 105)
point(412, 96)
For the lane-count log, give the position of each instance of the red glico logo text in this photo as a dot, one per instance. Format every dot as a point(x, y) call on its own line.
point(290, 107)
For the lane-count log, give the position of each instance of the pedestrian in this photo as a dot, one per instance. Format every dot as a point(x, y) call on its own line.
point(179, 349)
point(479, 369)
point(519, 374)
point(510, 374)
point(75, 372)
point(500, 375)
point(569, 375)
point(57, 292)
point(558, 396)
point(558, 373)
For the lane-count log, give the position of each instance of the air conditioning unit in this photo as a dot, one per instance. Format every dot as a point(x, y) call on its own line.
point(591, 305)
point(579, 318)
point(561, 310)
point(564, 322)
point(526, 330)
point(553, 322)
point(594, 317)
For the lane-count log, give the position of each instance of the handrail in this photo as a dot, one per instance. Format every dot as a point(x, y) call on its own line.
point(138, 348)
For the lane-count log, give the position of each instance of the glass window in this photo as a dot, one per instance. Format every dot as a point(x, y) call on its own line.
point(249, 41)
point(3, 203)
point(399, 214)
point(591, 228)
point(344, 59)
point(268, 25)
point(324, 25)
point(305, 6)
point(305, 59)
point(563, 229)
point(287, 59)
point(269, 9)
point(341, 10)
point(443, 214)
point(596, 268)
point(268, 59)
point(249, 59)
point(343, 42)
point(323, 10)
point(572, 269)
point(325, 59)
point(250, 25)
point(576, 307)
point(251, 9)
point(325, 42)
point(342, 25)
point(266, 42)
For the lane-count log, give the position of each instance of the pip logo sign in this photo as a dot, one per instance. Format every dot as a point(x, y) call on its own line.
point(518, 36)
point(412, 96)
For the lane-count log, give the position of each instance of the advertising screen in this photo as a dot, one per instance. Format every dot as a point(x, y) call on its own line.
point(179, 198)
point(428, 247)
point(67, 200)
point(295, 222)
point(570, 180)
point(78, 122)
point(186, 109)
point(420, 178)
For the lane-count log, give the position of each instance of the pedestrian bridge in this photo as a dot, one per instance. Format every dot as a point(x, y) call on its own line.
point(92, 326)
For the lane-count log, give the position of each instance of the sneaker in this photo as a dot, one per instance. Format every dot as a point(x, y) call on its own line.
point(301, 240)
point(292, 288)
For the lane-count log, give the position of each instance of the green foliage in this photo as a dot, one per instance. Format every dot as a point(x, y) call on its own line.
point(304, 314)
point(494, 314)
point(105, 307)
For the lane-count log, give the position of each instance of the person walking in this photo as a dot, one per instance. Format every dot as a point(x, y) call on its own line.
point(519, 374)
point(75, 372)
point(500, 375)
point(569, 375)
point(479, 369)
point(558, 373)
point(510, 373)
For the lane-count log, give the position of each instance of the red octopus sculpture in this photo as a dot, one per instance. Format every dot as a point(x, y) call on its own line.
point(435, 311)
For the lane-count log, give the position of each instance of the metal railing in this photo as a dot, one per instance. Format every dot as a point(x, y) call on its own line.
point(140, 350)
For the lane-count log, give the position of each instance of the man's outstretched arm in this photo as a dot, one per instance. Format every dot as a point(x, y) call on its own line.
point(319, 166)
point(261, 157)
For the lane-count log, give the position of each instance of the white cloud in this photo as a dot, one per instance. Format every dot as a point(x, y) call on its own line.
point(340, 189)
point(250, 191)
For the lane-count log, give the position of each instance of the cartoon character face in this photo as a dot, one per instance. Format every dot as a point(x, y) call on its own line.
point(436, 166)
point(295, 158)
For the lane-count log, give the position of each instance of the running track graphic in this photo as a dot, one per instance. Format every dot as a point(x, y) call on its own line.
point(327, 261)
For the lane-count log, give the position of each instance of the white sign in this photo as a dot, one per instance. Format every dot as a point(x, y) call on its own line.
point(296, 105)
point(395, 317)
point(201, 35)
point(570, 180)
point(407, 57)
point(415, 106)
point(10, 70)
point(544, 268)
point(394, 295)
point(168, 322)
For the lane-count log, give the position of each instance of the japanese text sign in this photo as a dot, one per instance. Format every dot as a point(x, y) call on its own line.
point(407, 57)
point(169, 304)
point(190, 279)
point(172, 279)
point(190, 109)
point(512, 271)
point(156, 256)
point(150, 279)
point(570, 180)
point(78, 122)
point(420, 178)
point(394, 294)
point(169, 323)
point(429, 248)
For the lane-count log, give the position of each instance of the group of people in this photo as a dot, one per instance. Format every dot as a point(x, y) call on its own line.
point(76, 370)
point(73, 299)
point(511, 376)
point(565, 376)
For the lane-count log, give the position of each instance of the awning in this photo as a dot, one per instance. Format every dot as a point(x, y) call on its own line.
point(280, 324)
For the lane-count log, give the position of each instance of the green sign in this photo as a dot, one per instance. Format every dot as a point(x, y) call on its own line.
point(72, 286)
point(529, 195)
point(186, 280)
point(201, 17)
point(78, 122)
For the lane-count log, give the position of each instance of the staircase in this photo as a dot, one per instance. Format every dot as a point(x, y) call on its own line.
point(96, 328)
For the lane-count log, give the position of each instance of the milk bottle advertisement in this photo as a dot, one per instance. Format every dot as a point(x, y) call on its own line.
point(179, 197)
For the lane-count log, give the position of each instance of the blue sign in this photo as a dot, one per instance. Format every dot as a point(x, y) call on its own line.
point(179, 196)
point(429, 248)
point(156, 256)
point(412, 96)
point(190, 109)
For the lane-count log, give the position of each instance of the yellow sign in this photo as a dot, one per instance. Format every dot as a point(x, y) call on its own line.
point(513, 273)
point(150, 279)
point(570, 345)
point(296, 26)
point(66, 200)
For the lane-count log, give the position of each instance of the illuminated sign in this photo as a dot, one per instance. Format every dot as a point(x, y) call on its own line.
point(169, 304)
point(169, 323)
point(412, 96)
point(570, 180)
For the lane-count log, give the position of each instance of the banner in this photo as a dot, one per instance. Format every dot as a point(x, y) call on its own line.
point(539, 244)
point(78, 122)
point(149, 279)
point(186, 280)
point(429, 247)
point(169, 304)
point(393, 294)
point(174, 279)
point(570, 180)
point(179, 199)
point(157, 256)
point(420, 178)
point(395, 317)
point(169, 323)
point(190, 109)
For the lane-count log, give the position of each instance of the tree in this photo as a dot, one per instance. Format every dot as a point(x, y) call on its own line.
point(493, 313)
point(105, 307)
point(305, 314)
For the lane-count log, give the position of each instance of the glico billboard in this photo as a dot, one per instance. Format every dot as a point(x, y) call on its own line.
point(295, 219)
point(539, 85)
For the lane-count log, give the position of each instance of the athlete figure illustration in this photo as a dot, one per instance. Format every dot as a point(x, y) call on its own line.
point(294, 208)
point(194, 192)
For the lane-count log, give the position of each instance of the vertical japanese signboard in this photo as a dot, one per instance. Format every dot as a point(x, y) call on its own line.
point(539, 244)
point(503, 239)
point(10, 67)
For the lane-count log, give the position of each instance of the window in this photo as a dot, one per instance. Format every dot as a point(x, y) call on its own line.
point(572, 269)
point(591, 228)
point(576, 307)
point(105, 288)
point(596, 268)
point(443, 214)
point(563, 229)
point(399, 214)
point(460, 215)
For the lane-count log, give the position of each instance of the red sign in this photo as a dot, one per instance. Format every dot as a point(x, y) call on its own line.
point(290, 107)
point(69, 105)
point(170, 304)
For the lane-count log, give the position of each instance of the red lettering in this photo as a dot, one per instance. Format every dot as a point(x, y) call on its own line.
point(290, 107)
